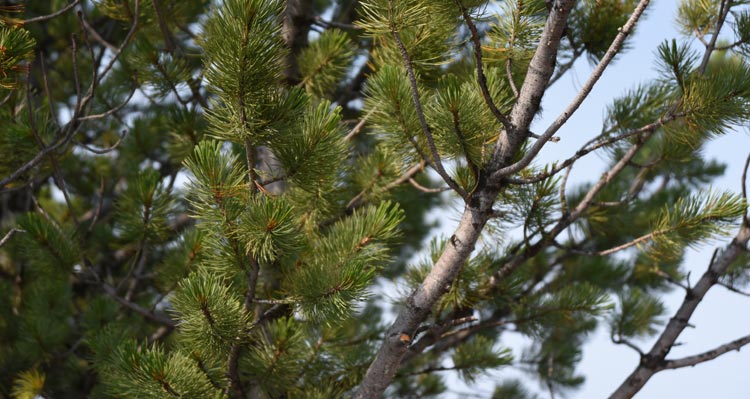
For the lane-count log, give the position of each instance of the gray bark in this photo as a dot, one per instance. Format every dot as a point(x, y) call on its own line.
point(476, 213)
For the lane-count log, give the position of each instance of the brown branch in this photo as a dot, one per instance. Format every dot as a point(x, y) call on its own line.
point(10, 234)
point(724, 8)
point(53, 15)
point(356, 129)
point(109, 290)
point(106, 149)
point(436, 162)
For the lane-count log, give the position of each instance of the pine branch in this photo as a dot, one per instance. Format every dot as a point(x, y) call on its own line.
point(478, 210)
point(481, 78)
point(588, 148)
point(9, 235)
point(436, 162)
point(109, 290)
point(530, 96)
point(724, 8)
point(614, 48)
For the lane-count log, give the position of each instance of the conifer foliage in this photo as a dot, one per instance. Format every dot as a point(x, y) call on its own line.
point(224, 199)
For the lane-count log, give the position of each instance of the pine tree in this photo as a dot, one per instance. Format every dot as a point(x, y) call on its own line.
point(216, 199)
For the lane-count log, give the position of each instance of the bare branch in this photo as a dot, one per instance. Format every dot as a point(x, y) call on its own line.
point(724, 8)
point(135, 307)
point(53, 15)
point(427, 189)
point(614, 48)
point(591, 147)
point(529, 99)
point(111, 111)
point(419, 304)
point(107, 149)
point(690, 361)
point(355, 130)
point(10, 234)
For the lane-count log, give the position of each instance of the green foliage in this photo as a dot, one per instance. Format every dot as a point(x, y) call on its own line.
point(29, 385)
point(594, 23)
point(637, 315)
point(698, 15)
point(17, 48)
point(276, 362)
point(212, 317)
point(513, 37)
point(477, 355)
point(694, 219)
point(143, 372)
point(144, 209)
point(323, 63)
point(340, 266)
point(394, 117)
point(269, 229)
point(313, 156)
point(236, 228)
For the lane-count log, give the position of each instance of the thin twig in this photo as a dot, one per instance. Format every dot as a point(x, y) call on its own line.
point(90, 29)
point(590, 147)
point(355, 130)
point(623, 341)
point(733, 289)
point(10, 234)
point(109, 290)
point(110, 111)
point(724, 8)
point(427, 189)
point(106, 149)
point(53, 15)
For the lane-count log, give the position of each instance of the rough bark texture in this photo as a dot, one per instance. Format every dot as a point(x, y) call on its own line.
point(476, 213)
point(655, 360)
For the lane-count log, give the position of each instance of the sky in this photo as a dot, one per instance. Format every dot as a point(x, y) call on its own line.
point(722, 316)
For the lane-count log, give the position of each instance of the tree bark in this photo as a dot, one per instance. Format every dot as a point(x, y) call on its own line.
point(476, 213)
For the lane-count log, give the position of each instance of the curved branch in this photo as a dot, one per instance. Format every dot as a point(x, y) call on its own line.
point(53, 15)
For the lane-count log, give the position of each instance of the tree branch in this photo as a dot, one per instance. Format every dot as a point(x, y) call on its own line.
point(690, 361)
point(436, 162)
point(476, 213)
point(481, 79)
point(540, 70)
point(53, 15)
point(654, 361)
point(614, 48)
